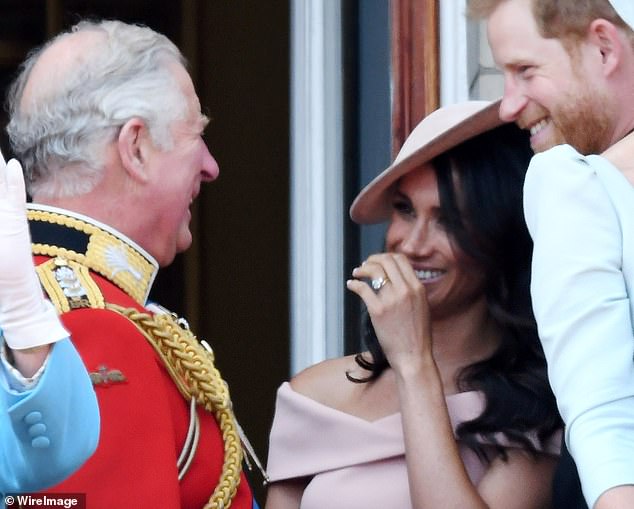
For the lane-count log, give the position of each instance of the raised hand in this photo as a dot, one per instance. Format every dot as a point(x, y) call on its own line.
point(397, 307)
point(27, 319)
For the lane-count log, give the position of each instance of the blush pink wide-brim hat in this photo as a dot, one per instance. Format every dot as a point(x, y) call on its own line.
point(440, 131)
point(625, 9)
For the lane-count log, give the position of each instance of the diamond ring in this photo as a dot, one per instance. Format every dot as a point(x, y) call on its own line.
point(378, 283)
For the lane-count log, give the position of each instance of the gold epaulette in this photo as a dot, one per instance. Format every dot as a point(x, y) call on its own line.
point(80, 239)
point(69, 285)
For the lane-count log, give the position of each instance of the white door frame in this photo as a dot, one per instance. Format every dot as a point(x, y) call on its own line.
point(317, 283)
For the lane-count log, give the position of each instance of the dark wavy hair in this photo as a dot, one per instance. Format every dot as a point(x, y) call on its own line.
point(480, 188)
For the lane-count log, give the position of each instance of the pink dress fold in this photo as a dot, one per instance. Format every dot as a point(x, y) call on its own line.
point(352, 463)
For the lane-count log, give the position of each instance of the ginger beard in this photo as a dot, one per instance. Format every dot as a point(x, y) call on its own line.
point(584, 120)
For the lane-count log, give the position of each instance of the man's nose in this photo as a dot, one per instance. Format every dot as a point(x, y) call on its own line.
point(210, 169)
point(513, 102)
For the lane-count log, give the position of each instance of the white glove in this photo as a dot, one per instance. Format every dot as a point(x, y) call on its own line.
point(27, 319)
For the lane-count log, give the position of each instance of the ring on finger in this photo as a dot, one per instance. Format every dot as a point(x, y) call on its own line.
point(379, 283)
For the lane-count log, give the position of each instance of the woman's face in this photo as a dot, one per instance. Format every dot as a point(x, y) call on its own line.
point(417, 229)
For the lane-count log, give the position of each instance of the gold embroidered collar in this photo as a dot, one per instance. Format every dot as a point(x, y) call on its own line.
point(61, 233)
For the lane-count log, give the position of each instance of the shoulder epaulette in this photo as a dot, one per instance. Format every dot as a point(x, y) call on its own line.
point(69, 285)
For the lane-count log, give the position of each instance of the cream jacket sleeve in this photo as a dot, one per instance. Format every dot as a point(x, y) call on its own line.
point(580, 213)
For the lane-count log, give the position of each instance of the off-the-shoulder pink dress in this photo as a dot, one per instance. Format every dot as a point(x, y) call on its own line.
point(353, 463)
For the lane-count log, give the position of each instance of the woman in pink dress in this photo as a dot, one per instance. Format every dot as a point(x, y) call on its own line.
point(450, 406)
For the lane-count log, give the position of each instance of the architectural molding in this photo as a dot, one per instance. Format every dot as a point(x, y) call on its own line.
point(317, 282)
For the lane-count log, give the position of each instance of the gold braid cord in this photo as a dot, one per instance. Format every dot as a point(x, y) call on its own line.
point(192, 369)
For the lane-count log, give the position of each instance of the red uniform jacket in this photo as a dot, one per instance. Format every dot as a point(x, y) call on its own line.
point(144, 418)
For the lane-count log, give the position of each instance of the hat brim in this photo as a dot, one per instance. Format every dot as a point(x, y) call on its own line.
point(373, 204)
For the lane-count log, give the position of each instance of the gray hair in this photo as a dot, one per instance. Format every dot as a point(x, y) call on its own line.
point(61, 136)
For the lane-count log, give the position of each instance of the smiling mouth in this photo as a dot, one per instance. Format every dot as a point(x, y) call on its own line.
point(428, 275)
point(538, 126)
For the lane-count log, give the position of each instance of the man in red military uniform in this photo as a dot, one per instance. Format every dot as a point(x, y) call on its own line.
point(108, 127)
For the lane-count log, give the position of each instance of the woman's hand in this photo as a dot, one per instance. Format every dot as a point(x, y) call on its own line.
point(398, 309)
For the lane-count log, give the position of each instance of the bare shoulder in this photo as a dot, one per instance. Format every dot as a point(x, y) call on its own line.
point(523, 480)
point(326, 382)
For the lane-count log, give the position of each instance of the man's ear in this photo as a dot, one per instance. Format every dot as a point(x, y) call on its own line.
point(608, 39)
point(134, 143)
